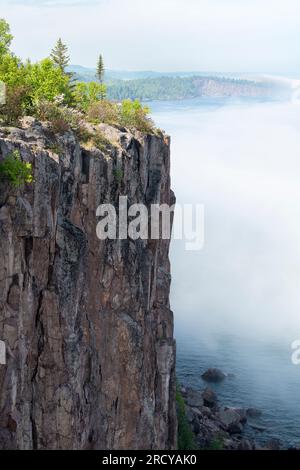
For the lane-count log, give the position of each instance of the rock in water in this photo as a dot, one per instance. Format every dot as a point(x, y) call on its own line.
point(273, 444)
point(210, 398)
point(193, 398)
point(213, 375)
point(229, 417)
point(241, 412)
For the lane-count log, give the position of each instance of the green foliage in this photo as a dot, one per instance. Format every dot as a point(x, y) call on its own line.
point(87, 94)
point(176, 88)
point(131, 114)
point(103, 111)
point(185, 435)
point(47, 81)
point(27, 84)
point(92, 138)
point(100, 69)
point(13, 109)
point(118, 174)
point(44, 89)
point(15, 171)
point(134, 115)
point(148, 89)
point(12, 70)
point(217, 444)
point(100, 141)
point(5, 37)
point(100, 75)
point(84, 135)
point(60, 55)
point(54, 148)
point(61, 117)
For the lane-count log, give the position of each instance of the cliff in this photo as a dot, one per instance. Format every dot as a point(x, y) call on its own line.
point(90, 354)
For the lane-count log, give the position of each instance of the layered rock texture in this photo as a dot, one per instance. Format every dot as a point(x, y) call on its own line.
point(86, 322)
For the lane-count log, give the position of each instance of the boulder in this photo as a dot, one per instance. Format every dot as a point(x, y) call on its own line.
point(235, 428)
point(230, 444)
point(209, 397)
point(206, 411)
point(245, 444)
point(241, 412)
point(193, 398)
point(213, 375)
point(273, 444)
point(231, 420)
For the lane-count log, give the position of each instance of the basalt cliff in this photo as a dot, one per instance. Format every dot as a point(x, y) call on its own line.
point(90, 354)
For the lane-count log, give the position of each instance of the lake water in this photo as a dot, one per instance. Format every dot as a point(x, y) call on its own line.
point(237, 301)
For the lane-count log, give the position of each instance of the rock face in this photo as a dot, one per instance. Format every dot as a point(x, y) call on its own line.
point(86, 323)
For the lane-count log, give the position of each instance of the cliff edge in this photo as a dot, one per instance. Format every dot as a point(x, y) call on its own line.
point(90, 354)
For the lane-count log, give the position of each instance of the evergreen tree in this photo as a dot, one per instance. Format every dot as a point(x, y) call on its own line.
point(100, 76)
point(100, 69)
point(60, 56)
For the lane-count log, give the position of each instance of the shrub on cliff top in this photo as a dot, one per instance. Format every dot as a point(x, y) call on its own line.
point(130, 114)
point(61, 118)
point(86, 94)
point(30, 86)
point(14, 170)
point(103, 111)
point(27, 84)
point(133, 114)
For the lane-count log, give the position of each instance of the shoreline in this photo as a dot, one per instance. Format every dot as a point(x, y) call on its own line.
point(215, 426)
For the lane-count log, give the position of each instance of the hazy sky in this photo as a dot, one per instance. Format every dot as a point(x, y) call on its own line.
point(204, 35)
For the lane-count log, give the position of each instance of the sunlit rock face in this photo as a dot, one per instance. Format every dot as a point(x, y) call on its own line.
point(86, 322)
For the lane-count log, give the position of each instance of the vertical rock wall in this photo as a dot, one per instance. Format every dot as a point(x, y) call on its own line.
point(86, 323)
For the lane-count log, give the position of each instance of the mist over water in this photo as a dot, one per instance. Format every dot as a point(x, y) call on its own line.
point(237, 301)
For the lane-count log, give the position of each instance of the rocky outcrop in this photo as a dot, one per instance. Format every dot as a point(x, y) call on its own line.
point(86, 323)
point(215, 426)
point(218, 427)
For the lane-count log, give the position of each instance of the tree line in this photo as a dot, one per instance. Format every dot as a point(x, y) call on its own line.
point(47, 90)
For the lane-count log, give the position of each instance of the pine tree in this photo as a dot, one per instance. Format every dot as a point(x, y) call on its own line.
point(100, 69)
point(60, 56)
point(100, 76)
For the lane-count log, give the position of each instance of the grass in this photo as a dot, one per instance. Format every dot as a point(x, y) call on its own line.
point(217, 444)
point(185, 436)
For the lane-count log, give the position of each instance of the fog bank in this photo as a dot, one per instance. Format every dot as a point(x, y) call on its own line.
point(242, 161)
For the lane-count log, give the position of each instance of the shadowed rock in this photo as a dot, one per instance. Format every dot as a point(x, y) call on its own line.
point(213, 375)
